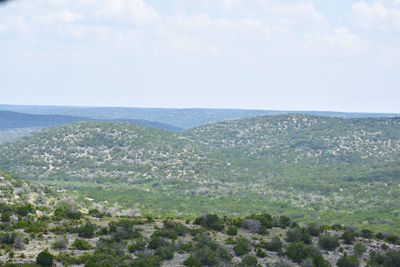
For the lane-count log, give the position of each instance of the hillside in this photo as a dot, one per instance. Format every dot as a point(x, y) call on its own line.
point(340, 170)
point(44, 228)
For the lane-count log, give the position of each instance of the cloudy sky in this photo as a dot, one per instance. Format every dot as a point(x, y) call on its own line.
point(341, 55)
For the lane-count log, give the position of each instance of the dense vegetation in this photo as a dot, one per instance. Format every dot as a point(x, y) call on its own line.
point(47, 228)
point(338, 170)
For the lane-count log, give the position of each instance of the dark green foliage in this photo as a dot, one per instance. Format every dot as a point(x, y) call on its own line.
point(348, 261)
point(284, 221)
point(137, 245)
point(359, 249)
point(232, 231)
point(393, 238)
point(260, 253)
point(328, 241)
point(242, 247)
point(45, 259)
point(249, 260)
point(314, 229)
point(165, 253)
point(87, 230)
point(274, 245)
point(5, 217)
point(81, 244)
point(24, 210)
point(298, 234)
point(298, 251)
point(146, 260)
point(348, 237)
point(366, 233)
point(210, 221)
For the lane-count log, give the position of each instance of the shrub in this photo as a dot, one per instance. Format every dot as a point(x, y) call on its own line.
point(392, 258)
point(210, 221)
point(298, 234)
point(393, 238)
point(206, 256)
point(87, 230)
point(366, 233)
point(284, 222)
point(274, 245)
point(359, 249)
point(252, 225)
point(232, 231)
point(45, 259)
point(242, 247)
point(5, 217)
point(60, 244)
point(139, 244)
point(24, 210)
point(298, 251)
point(81, 244)
point(328, 242)
point(165, 253)
point(348, 237)
point(314, 229)
point(260, 253)
point(348, 261)
point(249, 261)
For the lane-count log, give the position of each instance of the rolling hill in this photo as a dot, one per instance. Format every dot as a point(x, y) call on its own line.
point(183, 118)
point(306, 166)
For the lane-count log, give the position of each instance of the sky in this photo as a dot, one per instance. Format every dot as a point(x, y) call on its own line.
point(337, 55)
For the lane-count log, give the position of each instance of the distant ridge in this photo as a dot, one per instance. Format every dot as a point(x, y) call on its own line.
point(17, 120)
point(181, 118)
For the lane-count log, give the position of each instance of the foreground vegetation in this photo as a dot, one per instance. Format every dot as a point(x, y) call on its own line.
point(41, 228)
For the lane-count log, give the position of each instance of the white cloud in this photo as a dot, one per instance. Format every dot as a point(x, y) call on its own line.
point(377, 15)
point(64, 16)
point(340, 42)
point(133, 11)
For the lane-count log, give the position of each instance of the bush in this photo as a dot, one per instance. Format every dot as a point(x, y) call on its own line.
point(232, 231)
point(274, 245)
point(366, 233)
point(328, 242)
point(138, 245)
point(298, 251)
point(392, 258)
point(348, 261)
point(249, 261)
point(80, 244)
point(348, 237)
point(242, 247)
point(260, 253)
point(210, 221)
point(284, 222)
point(5, 217)
point(393, 238)
point(314, 229)
point(87, 230)
point(60, 244)
point(359, 249)
point(165, 253)
point(298, 234)
point(45, 259)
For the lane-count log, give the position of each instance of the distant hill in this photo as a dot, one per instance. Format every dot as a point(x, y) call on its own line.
point(296, 164)
point(182, 118)
point(16, 120)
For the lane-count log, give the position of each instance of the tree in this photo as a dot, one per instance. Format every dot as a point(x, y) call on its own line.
point(328, 242)
point(45, 259)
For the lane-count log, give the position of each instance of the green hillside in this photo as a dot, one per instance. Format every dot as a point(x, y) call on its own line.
point(308, 167)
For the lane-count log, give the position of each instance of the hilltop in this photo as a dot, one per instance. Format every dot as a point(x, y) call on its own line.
point(295, 164)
